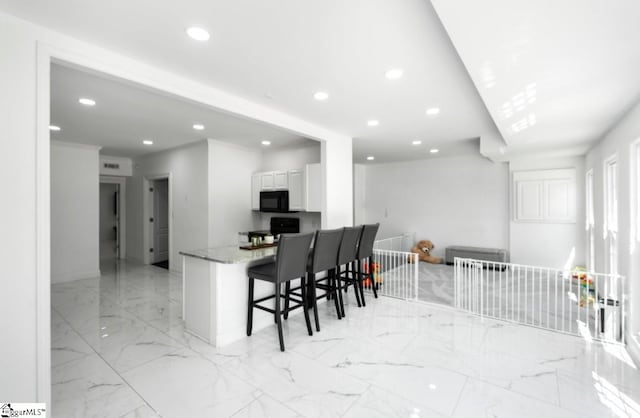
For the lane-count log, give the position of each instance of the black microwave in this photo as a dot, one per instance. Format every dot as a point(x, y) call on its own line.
point(275, 201)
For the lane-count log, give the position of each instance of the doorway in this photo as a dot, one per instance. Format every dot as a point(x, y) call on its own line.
point(109, 232)
point(159, 228)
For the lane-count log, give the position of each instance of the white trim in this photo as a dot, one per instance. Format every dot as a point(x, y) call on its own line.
point(74, 145)
point(43, 226)
point(122, 224)
point(147, 212)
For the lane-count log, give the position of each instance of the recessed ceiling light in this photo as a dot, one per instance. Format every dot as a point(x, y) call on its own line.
point(371, 158)
point(266, 142)
point(321, 95)
point(86, 102)
point(198, 127)
point(416, 142)
point(54, 128)
point(147, 142)
point(434, 150)
point(198, 34)
point(394, 73)
point(373, 122)
point(432, 111)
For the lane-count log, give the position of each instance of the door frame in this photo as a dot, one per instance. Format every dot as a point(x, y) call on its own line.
point(122, 212)
point(147, 212)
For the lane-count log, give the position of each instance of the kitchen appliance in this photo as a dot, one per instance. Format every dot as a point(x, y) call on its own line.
point(284, 226)
point(274, 201)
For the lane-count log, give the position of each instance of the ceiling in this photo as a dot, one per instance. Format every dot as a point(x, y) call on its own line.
point(553, 74)
point(571, 65)
point(126, 114)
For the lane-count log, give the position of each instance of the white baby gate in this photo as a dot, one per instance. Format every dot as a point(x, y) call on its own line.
point(575, 302)
point(395, 268)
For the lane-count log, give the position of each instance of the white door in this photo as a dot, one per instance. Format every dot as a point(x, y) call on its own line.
point(160, 220)
point(255, 191)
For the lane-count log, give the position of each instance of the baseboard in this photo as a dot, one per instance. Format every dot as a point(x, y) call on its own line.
point(74, 275)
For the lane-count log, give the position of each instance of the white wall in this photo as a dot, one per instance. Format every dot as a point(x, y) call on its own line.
point(230, 169)
point(291, 157)
point(359, 193)
point(619, 141)
point(75, 213)
point(188, 166)
point(450, 201)
point(550, 244)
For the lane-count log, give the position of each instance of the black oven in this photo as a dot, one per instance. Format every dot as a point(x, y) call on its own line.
point(276, 201)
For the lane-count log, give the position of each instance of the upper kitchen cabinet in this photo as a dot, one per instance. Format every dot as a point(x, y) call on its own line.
point(274, 180)
point(297, 198)
point(313, 187)
point(255, 191)
point(304, 186)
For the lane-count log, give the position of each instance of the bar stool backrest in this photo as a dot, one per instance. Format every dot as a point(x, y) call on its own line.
point(325, 249)
point(349, 244)
point(292, 256)
point(368, 237)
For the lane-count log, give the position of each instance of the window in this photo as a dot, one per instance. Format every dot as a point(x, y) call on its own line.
point(611, 212)
point(635, 189)
point(590, 221)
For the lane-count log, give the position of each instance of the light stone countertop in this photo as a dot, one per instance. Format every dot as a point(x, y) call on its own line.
point(232, 254)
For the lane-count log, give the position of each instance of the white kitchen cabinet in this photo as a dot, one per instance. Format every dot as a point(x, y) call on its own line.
point(313, 187)
point(255, 191)
point(304, 185)
point(280, 180)
point(266, 181)
point(297, 198)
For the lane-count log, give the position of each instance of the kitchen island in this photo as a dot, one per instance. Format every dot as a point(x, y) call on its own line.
point(215, 288)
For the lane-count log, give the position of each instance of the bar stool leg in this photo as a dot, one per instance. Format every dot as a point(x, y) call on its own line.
point(354, 276)
point(287, 290)
point(360, 281)
point(278, 316)
point(305, 304)
point(339, 290)
point(250, 308)
point(333, 291)
point(314, 300)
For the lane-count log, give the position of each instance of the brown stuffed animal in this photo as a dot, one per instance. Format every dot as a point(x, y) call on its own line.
point(423, 249)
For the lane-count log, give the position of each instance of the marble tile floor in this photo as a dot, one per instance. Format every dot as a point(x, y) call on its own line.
point(119, 350)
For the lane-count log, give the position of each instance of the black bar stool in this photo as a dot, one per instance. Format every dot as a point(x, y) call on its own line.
point(365, 254)
point(347, 258)
point(290, 264)
point(325, 255)
point(322, 258)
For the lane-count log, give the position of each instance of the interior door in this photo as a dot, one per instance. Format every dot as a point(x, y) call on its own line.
point(161, 220)
point(108, 233)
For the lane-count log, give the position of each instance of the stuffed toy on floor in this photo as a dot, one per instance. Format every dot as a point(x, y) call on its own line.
point(423, 249)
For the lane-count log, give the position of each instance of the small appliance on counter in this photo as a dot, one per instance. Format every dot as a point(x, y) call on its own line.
point(263, 239)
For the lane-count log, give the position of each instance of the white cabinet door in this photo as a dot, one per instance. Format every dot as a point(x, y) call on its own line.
point(280, 180)
point(266, 181)
point(297, 199)
point(255, 191)
point(313, 187)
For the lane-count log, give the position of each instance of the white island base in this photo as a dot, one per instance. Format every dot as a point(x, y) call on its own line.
point(215, 293)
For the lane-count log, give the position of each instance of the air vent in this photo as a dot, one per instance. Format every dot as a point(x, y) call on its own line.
point(112, 166)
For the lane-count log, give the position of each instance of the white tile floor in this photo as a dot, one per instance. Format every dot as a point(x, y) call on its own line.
point(119, 350)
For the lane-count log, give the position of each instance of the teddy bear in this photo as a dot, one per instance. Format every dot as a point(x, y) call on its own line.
point(423, 249)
